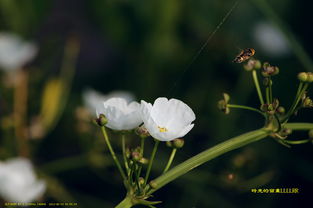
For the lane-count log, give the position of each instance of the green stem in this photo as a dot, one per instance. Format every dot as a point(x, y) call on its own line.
point(117, 163)
point(270, 90)
point(126, 203)
point(207, 155)
point(267, 91)
point(245, 107)
point(124, 154)
point(257, 86)
point(170, 160)
point(296, 101)
point(156, 144)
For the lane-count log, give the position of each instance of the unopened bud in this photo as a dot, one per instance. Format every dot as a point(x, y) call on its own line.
point(141, 181)
point(136, 156)
point(267, 82)
point(269, 70)
point(307, 102)
point(222, 104)
point(303, 76)
point(142, 131)
point(144, 161)
point(310, 77)
point(281, 110)
point(102, 120)
point(178, 143)
point(252, 64)
point(153, 184)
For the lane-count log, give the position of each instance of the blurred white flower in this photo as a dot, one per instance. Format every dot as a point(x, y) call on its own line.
point(167, 120)
point(18, 182)
point(93, 99)
point(121, 115)
point(270, 39)
point(14, 52)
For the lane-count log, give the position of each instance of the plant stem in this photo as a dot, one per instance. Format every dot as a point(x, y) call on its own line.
point(170, 160)
point(156, 144)
point(257, 86)
point(245, 107)
point(124, 154)
point(207, 155)
point(117, 163)
point(126, 203)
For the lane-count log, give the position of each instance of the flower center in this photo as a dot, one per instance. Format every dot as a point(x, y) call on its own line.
point(162, 129)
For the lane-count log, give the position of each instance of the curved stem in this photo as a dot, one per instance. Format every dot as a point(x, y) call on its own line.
point(257, 86)
point(245, 107)
point(156, 144)
point(170, 160)
point(117, 163)
point(207, 155)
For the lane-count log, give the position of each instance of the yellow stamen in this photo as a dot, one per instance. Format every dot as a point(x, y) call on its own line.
point(162, 129)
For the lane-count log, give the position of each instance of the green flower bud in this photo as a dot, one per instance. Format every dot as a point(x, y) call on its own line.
point(141, 181)
point(222, 104)
point(178, 143)
point(303, 76)
point(144, 161)
point(102, 120)
point(136, 156)
point(310, 77)
point(307, 102)
point(281, 110)
point(153, 184)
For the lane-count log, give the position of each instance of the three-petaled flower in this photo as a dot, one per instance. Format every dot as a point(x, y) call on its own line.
point(120, 114)
point(167, 120)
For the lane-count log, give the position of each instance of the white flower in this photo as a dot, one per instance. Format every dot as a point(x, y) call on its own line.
point(14, 52)
point(120, 114)
point(167, 120)
point(18, 182)
point(93, 99)
point(270, 39)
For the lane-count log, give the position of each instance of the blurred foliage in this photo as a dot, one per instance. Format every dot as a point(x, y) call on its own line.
point(146, 47)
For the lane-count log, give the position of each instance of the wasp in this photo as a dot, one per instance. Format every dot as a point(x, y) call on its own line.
point(244, 55)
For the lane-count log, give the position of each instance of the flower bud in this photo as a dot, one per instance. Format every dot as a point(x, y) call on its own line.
point(153, 184)
point(281, 110)
point(285, 132)
point(252, 64)
point(136, 156)
point(144, 161)
point(307, 102)
point(141, 181)
point(222, 104)
point(178, 143)
point(142, 132)
point(102, 120)
point(303, 76)
point(269, 70)
point(310, 77)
